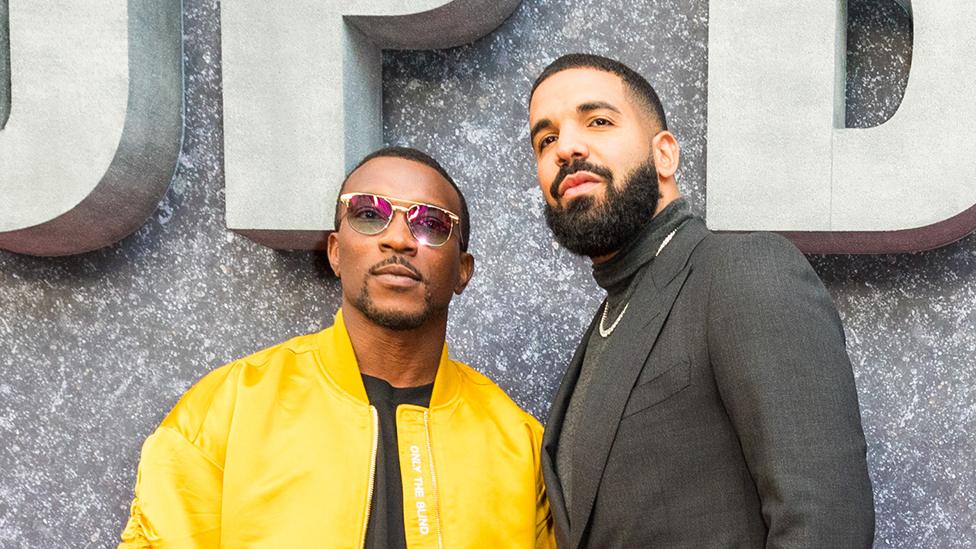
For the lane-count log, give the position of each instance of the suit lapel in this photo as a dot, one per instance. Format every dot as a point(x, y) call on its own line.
point(550, 438)
point(620, 366)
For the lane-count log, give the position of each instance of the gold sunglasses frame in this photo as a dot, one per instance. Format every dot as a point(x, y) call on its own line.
point(455, 219)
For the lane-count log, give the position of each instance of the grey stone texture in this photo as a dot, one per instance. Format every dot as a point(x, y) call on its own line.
point(96, 348)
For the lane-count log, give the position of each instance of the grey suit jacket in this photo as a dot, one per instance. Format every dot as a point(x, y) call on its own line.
point(724, 414)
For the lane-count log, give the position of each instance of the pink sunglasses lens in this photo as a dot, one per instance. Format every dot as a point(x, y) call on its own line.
point(369, 214)
point(429, 224)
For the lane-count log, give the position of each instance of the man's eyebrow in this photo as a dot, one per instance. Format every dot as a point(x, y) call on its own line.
point(582, 108)
point(595, 106)
point(539, 126)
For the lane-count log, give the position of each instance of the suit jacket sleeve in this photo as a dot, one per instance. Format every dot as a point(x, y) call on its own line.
point(778, 354)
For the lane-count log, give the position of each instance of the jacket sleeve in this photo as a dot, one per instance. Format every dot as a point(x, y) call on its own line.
point(778, 354)
point(179, 483)
point(177, 496)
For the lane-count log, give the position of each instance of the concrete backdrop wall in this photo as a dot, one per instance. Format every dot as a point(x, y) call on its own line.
point(97, 348)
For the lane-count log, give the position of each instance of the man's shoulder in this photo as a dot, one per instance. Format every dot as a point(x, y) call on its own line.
point(216, 392)
point(269, 358)
point(298, 346)
point(732, 245)
point(757, 271)
point(492, 399)
point(752, 252)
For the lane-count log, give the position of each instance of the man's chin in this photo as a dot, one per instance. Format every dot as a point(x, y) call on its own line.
point(392, 314)
point(580, 210)
point(581, 228)
point(582, 204)
point(392, 307)
point(396, 318)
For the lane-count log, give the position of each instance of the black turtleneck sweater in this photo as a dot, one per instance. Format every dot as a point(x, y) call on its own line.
point(618, 276)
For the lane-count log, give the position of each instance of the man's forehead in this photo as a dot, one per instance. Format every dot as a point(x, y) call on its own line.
point(572, 88)
point(405, 179)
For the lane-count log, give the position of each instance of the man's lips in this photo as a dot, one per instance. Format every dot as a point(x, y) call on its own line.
point(396, 269)
point(577, 183)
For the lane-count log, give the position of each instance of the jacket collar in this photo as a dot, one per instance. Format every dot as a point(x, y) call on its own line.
point(655, 296)
point(671, 262)
point(337, 360)
point(623, 360)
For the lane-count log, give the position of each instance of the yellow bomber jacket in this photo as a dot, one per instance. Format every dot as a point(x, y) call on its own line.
point(278, 450)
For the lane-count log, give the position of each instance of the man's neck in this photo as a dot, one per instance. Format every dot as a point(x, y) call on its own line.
point(402, 358)
point(668, 195)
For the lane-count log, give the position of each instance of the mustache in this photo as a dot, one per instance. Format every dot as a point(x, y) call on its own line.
point(397, 260)
point(578, 165)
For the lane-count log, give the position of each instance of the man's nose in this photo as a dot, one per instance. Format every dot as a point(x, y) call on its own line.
point(570, 146)
point(397, 236)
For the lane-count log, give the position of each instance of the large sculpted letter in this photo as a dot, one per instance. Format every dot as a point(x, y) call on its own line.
point(4, 64)
point(780, 158)
point(91, 117)
point(302, 99)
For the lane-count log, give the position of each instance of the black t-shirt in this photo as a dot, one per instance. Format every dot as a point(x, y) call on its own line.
point(385, 527)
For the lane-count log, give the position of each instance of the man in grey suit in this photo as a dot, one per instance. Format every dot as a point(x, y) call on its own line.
point(711, 402)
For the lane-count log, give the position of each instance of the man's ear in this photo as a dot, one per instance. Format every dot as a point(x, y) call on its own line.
point(465, 272)
point(333, 252)
point(667, 155)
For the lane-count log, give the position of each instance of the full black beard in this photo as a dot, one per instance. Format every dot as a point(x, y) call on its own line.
point(591, 228)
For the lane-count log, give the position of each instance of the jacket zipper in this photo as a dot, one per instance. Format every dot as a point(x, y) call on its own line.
point(433, 478)
point(372, 472)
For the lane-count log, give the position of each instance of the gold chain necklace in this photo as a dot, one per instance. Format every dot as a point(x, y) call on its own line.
point(605, 332)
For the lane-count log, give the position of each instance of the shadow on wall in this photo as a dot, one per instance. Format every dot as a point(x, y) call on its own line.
point(880, 270)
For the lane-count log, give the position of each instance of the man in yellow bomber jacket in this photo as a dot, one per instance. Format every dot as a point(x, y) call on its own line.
point(365, 434)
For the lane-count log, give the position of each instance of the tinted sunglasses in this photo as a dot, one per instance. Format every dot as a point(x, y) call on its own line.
point(371, 214)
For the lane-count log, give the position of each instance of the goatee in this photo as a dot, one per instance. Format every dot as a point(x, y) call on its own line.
point(393, 319)
point(591, 228)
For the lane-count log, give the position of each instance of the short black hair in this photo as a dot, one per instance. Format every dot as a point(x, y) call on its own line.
point(637, 84)
point(410, 153)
